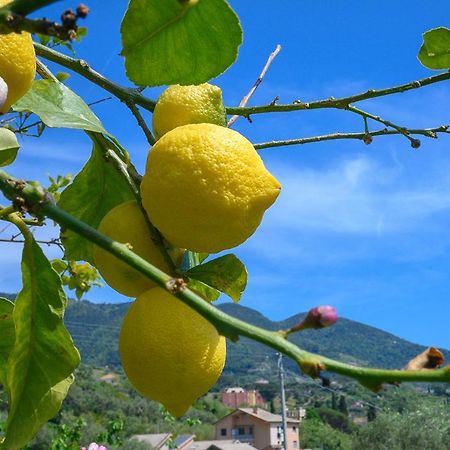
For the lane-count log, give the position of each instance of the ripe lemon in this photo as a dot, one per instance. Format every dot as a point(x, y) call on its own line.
point(17, 64)
point(206, 188)
point(169, 352)
point(126, 223)
point(182, 105)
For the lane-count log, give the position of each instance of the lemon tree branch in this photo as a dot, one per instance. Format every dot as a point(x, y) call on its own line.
point(37, 200)
point(25, 7)
point(81, 67)
point(338, 103)
point(427, 132)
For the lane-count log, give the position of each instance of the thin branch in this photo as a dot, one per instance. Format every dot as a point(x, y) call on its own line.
point(82, 68)
point(50, 242)
point(13, 18)
point(427, 132)
point(37, 199)
point(25, 7)
point(339, 103)
point(400, 130)
point(141, 122)
point(246, 98)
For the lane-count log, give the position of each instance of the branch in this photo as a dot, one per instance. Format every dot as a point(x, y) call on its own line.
point(427, 132)
point(338, 103)
point(141, 122)
point(37, 200)
point(246, 98)
point(415, 143)
point(82, 68)
point(25, 7)
point(12, 17)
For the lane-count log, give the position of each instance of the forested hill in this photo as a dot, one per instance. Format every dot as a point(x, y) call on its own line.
point(95, 329)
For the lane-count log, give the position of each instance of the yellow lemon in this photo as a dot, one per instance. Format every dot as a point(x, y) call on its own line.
point(17, 64)
point(169, 352)
point(206, 188)
point(126, 223)
point(182, 105)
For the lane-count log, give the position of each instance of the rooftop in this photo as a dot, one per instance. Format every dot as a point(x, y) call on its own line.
point(261, 414)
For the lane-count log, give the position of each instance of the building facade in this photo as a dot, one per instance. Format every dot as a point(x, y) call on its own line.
point(235, 397)
point(259, 428)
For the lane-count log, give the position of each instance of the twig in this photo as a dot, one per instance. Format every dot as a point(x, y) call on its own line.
point(339, 103)
point(400, 130)
point(82, 68)
point(246, 98)
point(141, 122)
point(25, 7)
point(427, 132)
point(12, 18)
point(50, 242)
point(312, 364)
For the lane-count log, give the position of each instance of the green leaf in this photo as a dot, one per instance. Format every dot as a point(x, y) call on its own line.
point(202, 289)
point(95, 190)
point(435, 50)
point(7, 334)
point(226, 274)
point(58, 107)
point(43, 358)
point(179, 41)
point(8, 147)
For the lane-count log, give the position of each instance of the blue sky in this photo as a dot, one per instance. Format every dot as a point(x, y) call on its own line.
point(364, 228)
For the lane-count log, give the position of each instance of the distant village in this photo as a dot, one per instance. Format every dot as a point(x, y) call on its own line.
point(248, 427)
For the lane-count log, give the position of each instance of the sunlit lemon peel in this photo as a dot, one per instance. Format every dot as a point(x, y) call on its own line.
point(169, 352)
point(206, 188)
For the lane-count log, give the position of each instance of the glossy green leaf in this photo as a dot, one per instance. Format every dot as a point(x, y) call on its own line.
point(41, 363)
point(435, 50)
point(7, 334)
point(94, 191)
point(202, 289)
point(58, 107)
point(8, 147)
point(226, 274)
point(179, 41)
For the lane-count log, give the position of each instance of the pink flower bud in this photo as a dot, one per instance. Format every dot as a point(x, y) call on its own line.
point(3, 92)
point(320, 317)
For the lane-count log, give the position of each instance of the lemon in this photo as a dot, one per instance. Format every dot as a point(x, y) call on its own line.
point(182, 105)
point(17, 64)
point(126, 223)
point(169, 352)
point(206, 188)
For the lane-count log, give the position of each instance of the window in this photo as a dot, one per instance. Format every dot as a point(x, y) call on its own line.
point(223, 431)
point(241, 431)
point(295, 444)
point(250, 429)
point(294, 429)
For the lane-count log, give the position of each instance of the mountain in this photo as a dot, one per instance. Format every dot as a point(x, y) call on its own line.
point(95, 329)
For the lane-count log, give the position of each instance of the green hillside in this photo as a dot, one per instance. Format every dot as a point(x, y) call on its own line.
point(95, 329)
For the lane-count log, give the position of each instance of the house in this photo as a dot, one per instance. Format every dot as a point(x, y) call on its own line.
point(165, 441)
point(156, 441)
point(220, 445)
point(259, 428)
point(237, 396)
point(109, 378)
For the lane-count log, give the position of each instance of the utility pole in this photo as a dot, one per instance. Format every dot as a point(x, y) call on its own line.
point(283, 400)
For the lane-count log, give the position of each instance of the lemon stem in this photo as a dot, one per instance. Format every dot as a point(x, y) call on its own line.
point(37, 200)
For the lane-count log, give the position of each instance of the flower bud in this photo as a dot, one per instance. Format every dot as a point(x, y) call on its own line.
point(320, 317)
point(3, 92)
point(82, 11)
